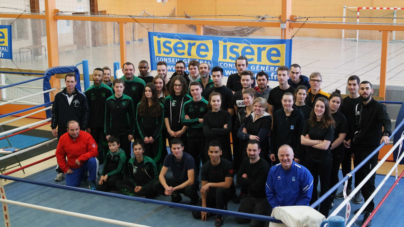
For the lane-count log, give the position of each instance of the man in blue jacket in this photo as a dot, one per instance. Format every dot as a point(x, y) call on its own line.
point(288, 183)
point(296, 78)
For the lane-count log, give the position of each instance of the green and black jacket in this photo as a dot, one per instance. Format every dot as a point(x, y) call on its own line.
point(150, 126)
point(142, 174)
point(194, 110)
point(119, 116)
point(96, 98)
point(134, 88)
point(114, 163)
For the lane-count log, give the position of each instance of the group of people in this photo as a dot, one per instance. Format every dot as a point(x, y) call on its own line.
point(304, 133)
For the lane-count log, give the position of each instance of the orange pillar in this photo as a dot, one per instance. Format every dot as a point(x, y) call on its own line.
point(286, 10)
point(383, 64)
point(199, 29)
point(52, 41)
point(122, 41)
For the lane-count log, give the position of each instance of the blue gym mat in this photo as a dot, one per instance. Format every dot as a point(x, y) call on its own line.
point(144, 213)
point(22, 141)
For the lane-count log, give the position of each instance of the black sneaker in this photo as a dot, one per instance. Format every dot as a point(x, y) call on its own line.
point(176, 199)
point(219, 221)
point(367, 214)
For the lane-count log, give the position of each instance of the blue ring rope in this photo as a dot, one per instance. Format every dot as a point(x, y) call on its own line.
point(31, 108)
point(21, 73)
point(328, 193)
point(23, 82)
point(158, 202)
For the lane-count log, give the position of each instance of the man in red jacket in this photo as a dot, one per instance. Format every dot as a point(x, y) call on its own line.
point(80, 151)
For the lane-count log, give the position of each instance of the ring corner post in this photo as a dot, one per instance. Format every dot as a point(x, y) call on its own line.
point(116, 67)
point(86, 75)
point(6, 215)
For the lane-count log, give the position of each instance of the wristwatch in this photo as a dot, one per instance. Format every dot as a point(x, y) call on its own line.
point(386, 134)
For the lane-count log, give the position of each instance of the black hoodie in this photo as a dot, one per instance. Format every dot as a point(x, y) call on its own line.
point(287, 130)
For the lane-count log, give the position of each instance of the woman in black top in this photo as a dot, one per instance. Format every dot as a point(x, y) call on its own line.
point(317, 135)
point(300, 104)
point(248, 98)
point(140, 174)
point(287, 128)
point(149, 121)
point(173, 105)
point(341, 129)
point(257, 127)
point(217, 126)
point(119, 116)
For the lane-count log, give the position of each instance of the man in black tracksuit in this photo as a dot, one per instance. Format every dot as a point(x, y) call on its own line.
point(134, 86)
point(371, 117)
point(69, 104)
point(348, 110)
point(96, 95)
point(192, 116)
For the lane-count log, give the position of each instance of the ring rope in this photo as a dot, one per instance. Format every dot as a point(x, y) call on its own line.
point(144, 200)
point(25, 127)
point(19, 118)
point(29, 165)
point(73, 214)
point(376, 190)
point(28, 96)
point(336, 186)
point(357, 188)
point(27, 149)
point(382, 201)
point(29, 129)
point(24, 110)
point(23, 82)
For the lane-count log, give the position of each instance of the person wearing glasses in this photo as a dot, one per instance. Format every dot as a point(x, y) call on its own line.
point(173, 105)
point(315, 90)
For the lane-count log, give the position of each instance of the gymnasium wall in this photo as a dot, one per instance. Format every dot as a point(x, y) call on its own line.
point(243, 9)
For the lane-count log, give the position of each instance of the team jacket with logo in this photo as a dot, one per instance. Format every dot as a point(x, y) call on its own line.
point(289, 187)
point(96, 98)
point(114, 163)
point(134, 88)
point(119, 116)
point(195, 111)
point(63, 112)
point(81, 148)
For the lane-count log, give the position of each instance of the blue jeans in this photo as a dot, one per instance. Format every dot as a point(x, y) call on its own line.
point(74, 179)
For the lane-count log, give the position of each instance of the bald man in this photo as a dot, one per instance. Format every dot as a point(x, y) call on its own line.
point(288, 183)
point(80, 151)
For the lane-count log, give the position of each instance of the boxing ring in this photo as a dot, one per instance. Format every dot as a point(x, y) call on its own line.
point(397, 133)
point(398, 136)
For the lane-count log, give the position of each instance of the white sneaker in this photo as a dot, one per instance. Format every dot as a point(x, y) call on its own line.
point(60, 177)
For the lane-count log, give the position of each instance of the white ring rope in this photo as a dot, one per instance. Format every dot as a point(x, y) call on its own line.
point(16, 119)
point(28, 96)
point(339, 208)
point(28, 149)
point(375, 192)
point(73, 214)
point(24, 127)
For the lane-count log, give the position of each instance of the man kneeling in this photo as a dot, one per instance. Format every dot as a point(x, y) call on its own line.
point(252, 176)
point(217, 183)
point(80, 150)
point(183, 167)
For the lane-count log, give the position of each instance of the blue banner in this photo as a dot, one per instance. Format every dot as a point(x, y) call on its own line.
point(6, 47)
point(262, 54)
